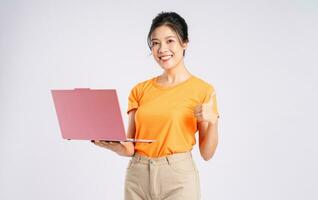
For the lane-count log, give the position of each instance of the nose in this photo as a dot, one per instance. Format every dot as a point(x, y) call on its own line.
point(163, 48)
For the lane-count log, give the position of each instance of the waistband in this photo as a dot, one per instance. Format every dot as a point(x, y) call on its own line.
point(161, 160)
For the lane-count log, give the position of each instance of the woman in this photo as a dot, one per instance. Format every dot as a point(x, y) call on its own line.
point(169, 108)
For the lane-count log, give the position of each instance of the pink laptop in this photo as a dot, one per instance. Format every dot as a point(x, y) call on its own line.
point(90, 114)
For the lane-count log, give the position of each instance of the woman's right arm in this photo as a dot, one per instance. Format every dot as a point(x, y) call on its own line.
point(122, 148)
point(129, 146)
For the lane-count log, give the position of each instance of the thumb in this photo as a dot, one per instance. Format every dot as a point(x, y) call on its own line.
point(211, 99)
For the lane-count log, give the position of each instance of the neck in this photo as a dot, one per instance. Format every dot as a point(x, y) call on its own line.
point(177, 73)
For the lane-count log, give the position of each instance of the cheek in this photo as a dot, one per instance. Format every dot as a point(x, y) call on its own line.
point(154, 51)
point(177, 50)
point(154, 54)
point(178, 55)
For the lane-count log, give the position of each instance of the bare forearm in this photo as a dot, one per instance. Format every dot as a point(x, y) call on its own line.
point(209, 141)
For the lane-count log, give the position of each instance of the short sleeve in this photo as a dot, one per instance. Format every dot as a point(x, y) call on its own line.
point(210, 90)
point(133, 100)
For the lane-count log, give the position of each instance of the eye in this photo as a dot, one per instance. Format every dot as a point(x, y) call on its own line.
point(154, 43)
point(169, 41)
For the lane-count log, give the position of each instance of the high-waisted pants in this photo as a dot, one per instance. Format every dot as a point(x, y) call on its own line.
point(172, 177)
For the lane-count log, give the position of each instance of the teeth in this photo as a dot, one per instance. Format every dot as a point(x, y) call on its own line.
point(165, 57)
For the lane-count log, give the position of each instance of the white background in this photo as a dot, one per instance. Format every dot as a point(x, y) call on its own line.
point(261, 57)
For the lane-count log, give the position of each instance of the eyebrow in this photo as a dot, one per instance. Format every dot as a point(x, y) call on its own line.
point(165, 37)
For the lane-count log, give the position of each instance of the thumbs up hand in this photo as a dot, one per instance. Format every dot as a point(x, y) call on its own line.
point(204, 112)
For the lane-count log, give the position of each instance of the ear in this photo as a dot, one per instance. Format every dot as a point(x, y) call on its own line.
point(185, 45)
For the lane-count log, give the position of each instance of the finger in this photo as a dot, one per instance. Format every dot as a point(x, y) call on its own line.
point(109, 143)
point(211, 98)
point(104, 142)
point(197, 112)
point(114, 144)
point(198, 115)
point(199, 118)
point(198, 109)
point(98, 143)
point(101, 144)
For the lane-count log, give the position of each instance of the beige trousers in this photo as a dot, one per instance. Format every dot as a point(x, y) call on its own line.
point(173, 177)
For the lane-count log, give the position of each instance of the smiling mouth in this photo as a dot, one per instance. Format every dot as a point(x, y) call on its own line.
point(165, 58)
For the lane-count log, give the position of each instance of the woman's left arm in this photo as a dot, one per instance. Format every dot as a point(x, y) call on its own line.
point(207, 121)
point(208, 138)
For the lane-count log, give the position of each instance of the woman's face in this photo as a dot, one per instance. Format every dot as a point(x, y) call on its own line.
point(166, 47)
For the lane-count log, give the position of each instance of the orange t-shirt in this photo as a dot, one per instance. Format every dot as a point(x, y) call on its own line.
point(166, 114)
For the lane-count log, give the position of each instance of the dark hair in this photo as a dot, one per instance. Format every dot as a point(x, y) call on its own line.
point(172, 20)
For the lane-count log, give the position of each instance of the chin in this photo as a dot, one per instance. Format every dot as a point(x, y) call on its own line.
point(167, 67)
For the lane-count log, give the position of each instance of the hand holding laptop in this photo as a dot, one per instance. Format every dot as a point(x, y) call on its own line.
point(111, 145)
point(121, 148)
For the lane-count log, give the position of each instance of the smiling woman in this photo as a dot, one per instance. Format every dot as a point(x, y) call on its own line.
point(178, 28)
point(166, 47)
point(169, 108)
